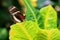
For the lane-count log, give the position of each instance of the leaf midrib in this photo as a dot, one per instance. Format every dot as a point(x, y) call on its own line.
point(46, 18)
point(25, 31)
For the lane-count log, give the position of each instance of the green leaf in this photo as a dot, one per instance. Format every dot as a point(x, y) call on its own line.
point(48, 18)
point(31, 13)
point(24, 31)
point(53, 34)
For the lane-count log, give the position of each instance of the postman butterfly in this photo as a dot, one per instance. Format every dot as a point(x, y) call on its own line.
point(16, 14)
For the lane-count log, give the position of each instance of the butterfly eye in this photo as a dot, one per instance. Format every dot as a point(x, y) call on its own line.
point(17, 15)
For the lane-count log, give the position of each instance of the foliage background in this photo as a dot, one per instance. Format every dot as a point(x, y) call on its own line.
point(6, 19)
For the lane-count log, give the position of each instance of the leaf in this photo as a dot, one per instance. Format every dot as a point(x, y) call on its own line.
point(48, 18)
point(23, 31)
point(53, 34)
point(32, 13)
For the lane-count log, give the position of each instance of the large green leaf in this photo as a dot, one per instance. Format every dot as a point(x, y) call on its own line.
point(24, 31)
point(53, 34)
point(48, 18)
point(31, 13)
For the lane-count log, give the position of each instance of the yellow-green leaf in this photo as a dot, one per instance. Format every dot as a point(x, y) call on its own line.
point(53, 34)
point(48, 18)
point(23, 31)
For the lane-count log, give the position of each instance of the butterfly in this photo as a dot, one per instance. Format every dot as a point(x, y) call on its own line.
point(16, 14)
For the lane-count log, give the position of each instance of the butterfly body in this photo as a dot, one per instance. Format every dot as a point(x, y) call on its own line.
point(17, 15)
